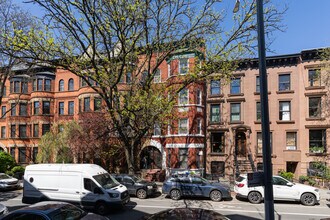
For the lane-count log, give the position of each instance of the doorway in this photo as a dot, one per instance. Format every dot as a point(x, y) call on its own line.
point(240, 147)
point(150, 158)
point(291, 167)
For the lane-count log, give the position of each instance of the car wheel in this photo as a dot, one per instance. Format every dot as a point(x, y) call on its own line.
point(141, 194)
point(308, 199)
point(254, 197)
point(215, 196)
point(101, 208)
point(175, 194)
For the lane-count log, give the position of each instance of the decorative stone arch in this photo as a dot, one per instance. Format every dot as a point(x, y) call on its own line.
point(158, 146)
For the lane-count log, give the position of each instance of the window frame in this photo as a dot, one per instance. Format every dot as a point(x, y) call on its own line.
point(219, 143)
point(61, 85)
point(46, 107)
point(284, 85)
point(287, 140)
point(235, 86)
point(183, 97)
point(71, 108)
point(183, 128)
point(215, 87)
point(282, 111)
point(61, 108)
point(258, 111)
point(183, 66)
point(214, 114)
point(316, 109)
point(234, 113)
point(314, 77)
point(71, 84)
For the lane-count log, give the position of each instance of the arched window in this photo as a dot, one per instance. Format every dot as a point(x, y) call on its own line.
point(61, 85)
point(71, 84)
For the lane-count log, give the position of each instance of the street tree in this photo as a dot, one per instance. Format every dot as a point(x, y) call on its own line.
point(107, 41)
point(12, 18)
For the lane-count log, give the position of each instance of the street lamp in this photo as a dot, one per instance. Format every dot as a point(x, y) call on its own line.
point(266, 152)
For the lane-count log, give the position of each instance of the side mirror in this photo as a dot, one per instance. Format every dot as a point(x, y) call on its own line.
point(290, 184)
point(97, 190)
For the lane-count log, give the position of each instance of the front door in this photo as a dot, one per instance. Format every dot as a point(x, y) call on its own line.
point(240, 144)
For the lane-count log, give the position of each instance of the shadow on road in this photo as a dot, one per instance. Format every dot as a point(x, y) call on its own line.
point(240, 217)
point(6, 195)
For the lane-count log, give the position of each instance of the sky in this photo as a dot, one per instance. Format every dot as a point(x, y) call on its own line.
point(307, 25)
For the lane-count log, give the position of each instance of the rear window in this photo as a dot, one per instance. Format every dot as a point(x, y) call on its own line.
point(240, 179)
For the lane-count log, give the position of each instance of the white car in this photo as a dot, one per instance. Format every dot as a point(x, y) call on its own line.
point(8, 182)
point(282, 190)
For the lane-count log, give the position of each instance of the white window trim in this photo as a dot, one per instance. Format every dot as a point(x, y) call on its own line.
point(187, 125)
point(183, 104)
point(180, 66)
point(168, 70)
point(199, 96)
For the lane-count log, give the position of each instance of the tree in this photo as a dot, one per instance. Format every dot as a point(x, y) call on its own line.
point(11, 18)
point(6, 162)
point(104, 41)
point(54, 147)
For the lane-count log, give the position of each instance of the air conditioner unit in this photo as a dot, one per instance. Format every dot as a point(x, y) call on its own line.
point(291, 147)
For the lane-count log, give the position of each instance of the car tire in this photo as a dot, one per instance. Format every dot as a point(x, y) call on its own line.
point(308, 199)
point(254, 197)
point(141, 194)
point(216, 196)
point(101, 208)
point(175, 194)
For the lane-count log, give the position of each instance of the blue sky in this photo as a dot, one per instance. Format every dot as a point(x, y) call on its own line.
point(307, 25)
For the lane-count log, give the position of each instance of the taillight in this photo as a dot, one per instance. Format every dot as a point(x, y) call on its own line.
point(240, 185)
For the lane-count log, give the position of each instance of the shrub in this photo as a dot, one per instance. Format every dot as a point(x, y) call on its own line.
point(6, 162)
point(286, 175)
point(303, 179)
point(311, 182)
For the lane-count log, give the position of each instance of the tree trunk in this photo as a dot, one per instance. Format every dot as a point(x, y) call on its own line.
point(129, 153)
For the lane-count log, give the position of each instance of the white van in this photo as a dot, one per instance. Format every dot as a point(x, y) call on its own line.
point(89, 185)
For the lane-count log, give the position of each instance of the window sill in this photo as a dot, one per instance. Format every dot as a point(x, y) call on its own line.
point(216, 123)
point(258, 93)
point(314, 87)
point(318, 154)
point(285, 122)
point(217, 154)
point(285, 92)
point(238, 94)
point(215, 96)
point(259, 122)
point(236, 122)
point(260, 155)
point(315, 119)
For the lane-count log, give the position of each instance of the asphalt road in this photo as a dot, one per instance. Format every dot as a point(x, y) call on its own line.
point(234, 209)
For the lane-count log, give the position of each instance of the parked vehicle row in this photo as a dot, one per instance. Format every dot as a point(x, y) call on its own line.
point(8, 182)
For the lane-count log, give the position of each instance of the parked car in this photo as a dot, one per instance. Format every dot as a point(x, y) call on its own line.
point(136, 186)
point(3, 210)
point(8, 182)
point(52, 211)
point(186, 213)
point(194, 186)
point(282, 190)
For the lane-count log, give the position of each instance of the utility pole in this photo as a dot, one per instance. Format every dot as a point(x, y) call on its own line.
point(266, 150)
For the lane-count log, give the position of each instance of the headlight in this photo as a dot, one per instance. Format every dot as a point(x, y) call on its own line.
point(114, 195)
point(149, 187)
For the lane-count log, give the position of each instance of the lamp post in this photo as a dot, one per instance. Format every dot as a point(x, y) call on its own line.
point(266, 150)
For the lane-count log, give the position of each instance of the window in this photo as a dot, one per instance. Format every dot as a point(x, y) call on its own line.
point(314, 77)
point(3, 131)
point(285, 111)
point(61, 108)
point(22, 155)
point(317, 141)
point(235, 112)
point(97, 104)
point(13, 109)
point(12, 152)
point(218, 142)
point(183, 126)
point(23, 109)
point(36, 107)
point(199, 126)
point(45, 107)
point(217, 169)
point(215, 113)
point(184, 66)
point(83, 82)
point(47, 85)
point(35, 130)
point(24, 87)
point(89, 185)
point(71, 108)
point(128, 77)
point(157, 76)
point(4, 93)
point(61, 85)
point(259, 142)
point(235, 86)
point(183, 97)
point(258, 84)
point(284, 82)
point(183, 158)
point(40, 82)
point(87, 104)
point(279, 181)
point(71, 85)
point(22, 131)
point(15, 86)
point(45, 128)
point(168, 70)
point(314, 107)
point(291, 140)
point(34, 154)
point(157, 129)
point(215, 87)
point(199, 97)
point(3, 111)
point(144, 77)
point(12, 131)
point(258, 107)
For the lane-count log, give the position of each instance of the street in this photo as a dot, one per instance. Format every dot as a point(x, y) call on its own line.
point(234, 209)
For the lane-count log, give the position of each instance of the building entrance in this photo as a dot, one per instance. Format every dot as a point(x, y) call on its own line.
point(150, 158)
point(240, 147)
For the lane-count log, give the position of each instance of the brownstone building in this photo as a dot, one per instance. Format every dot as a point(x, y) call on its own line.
point(299, 120)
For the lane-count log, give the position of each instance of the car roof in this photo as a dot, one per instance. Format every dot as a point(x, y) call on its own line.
point(45, 207)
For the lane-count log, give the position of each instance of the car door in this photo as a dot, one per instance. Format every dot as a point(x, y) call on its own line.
point(88, 197)
point(129, 183)
point(197, 186)
point(283, 191)
point(185, 186)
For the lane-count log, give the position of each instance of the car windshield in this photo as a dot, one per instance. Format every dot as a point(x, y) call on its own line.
point(67, 212)
point(4, 176)
point(137, 179)
point(106, 180)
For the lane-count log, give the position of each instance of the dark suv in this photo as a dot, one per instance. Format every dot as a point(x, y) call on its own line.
point(194, 186)
point(136, 186)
